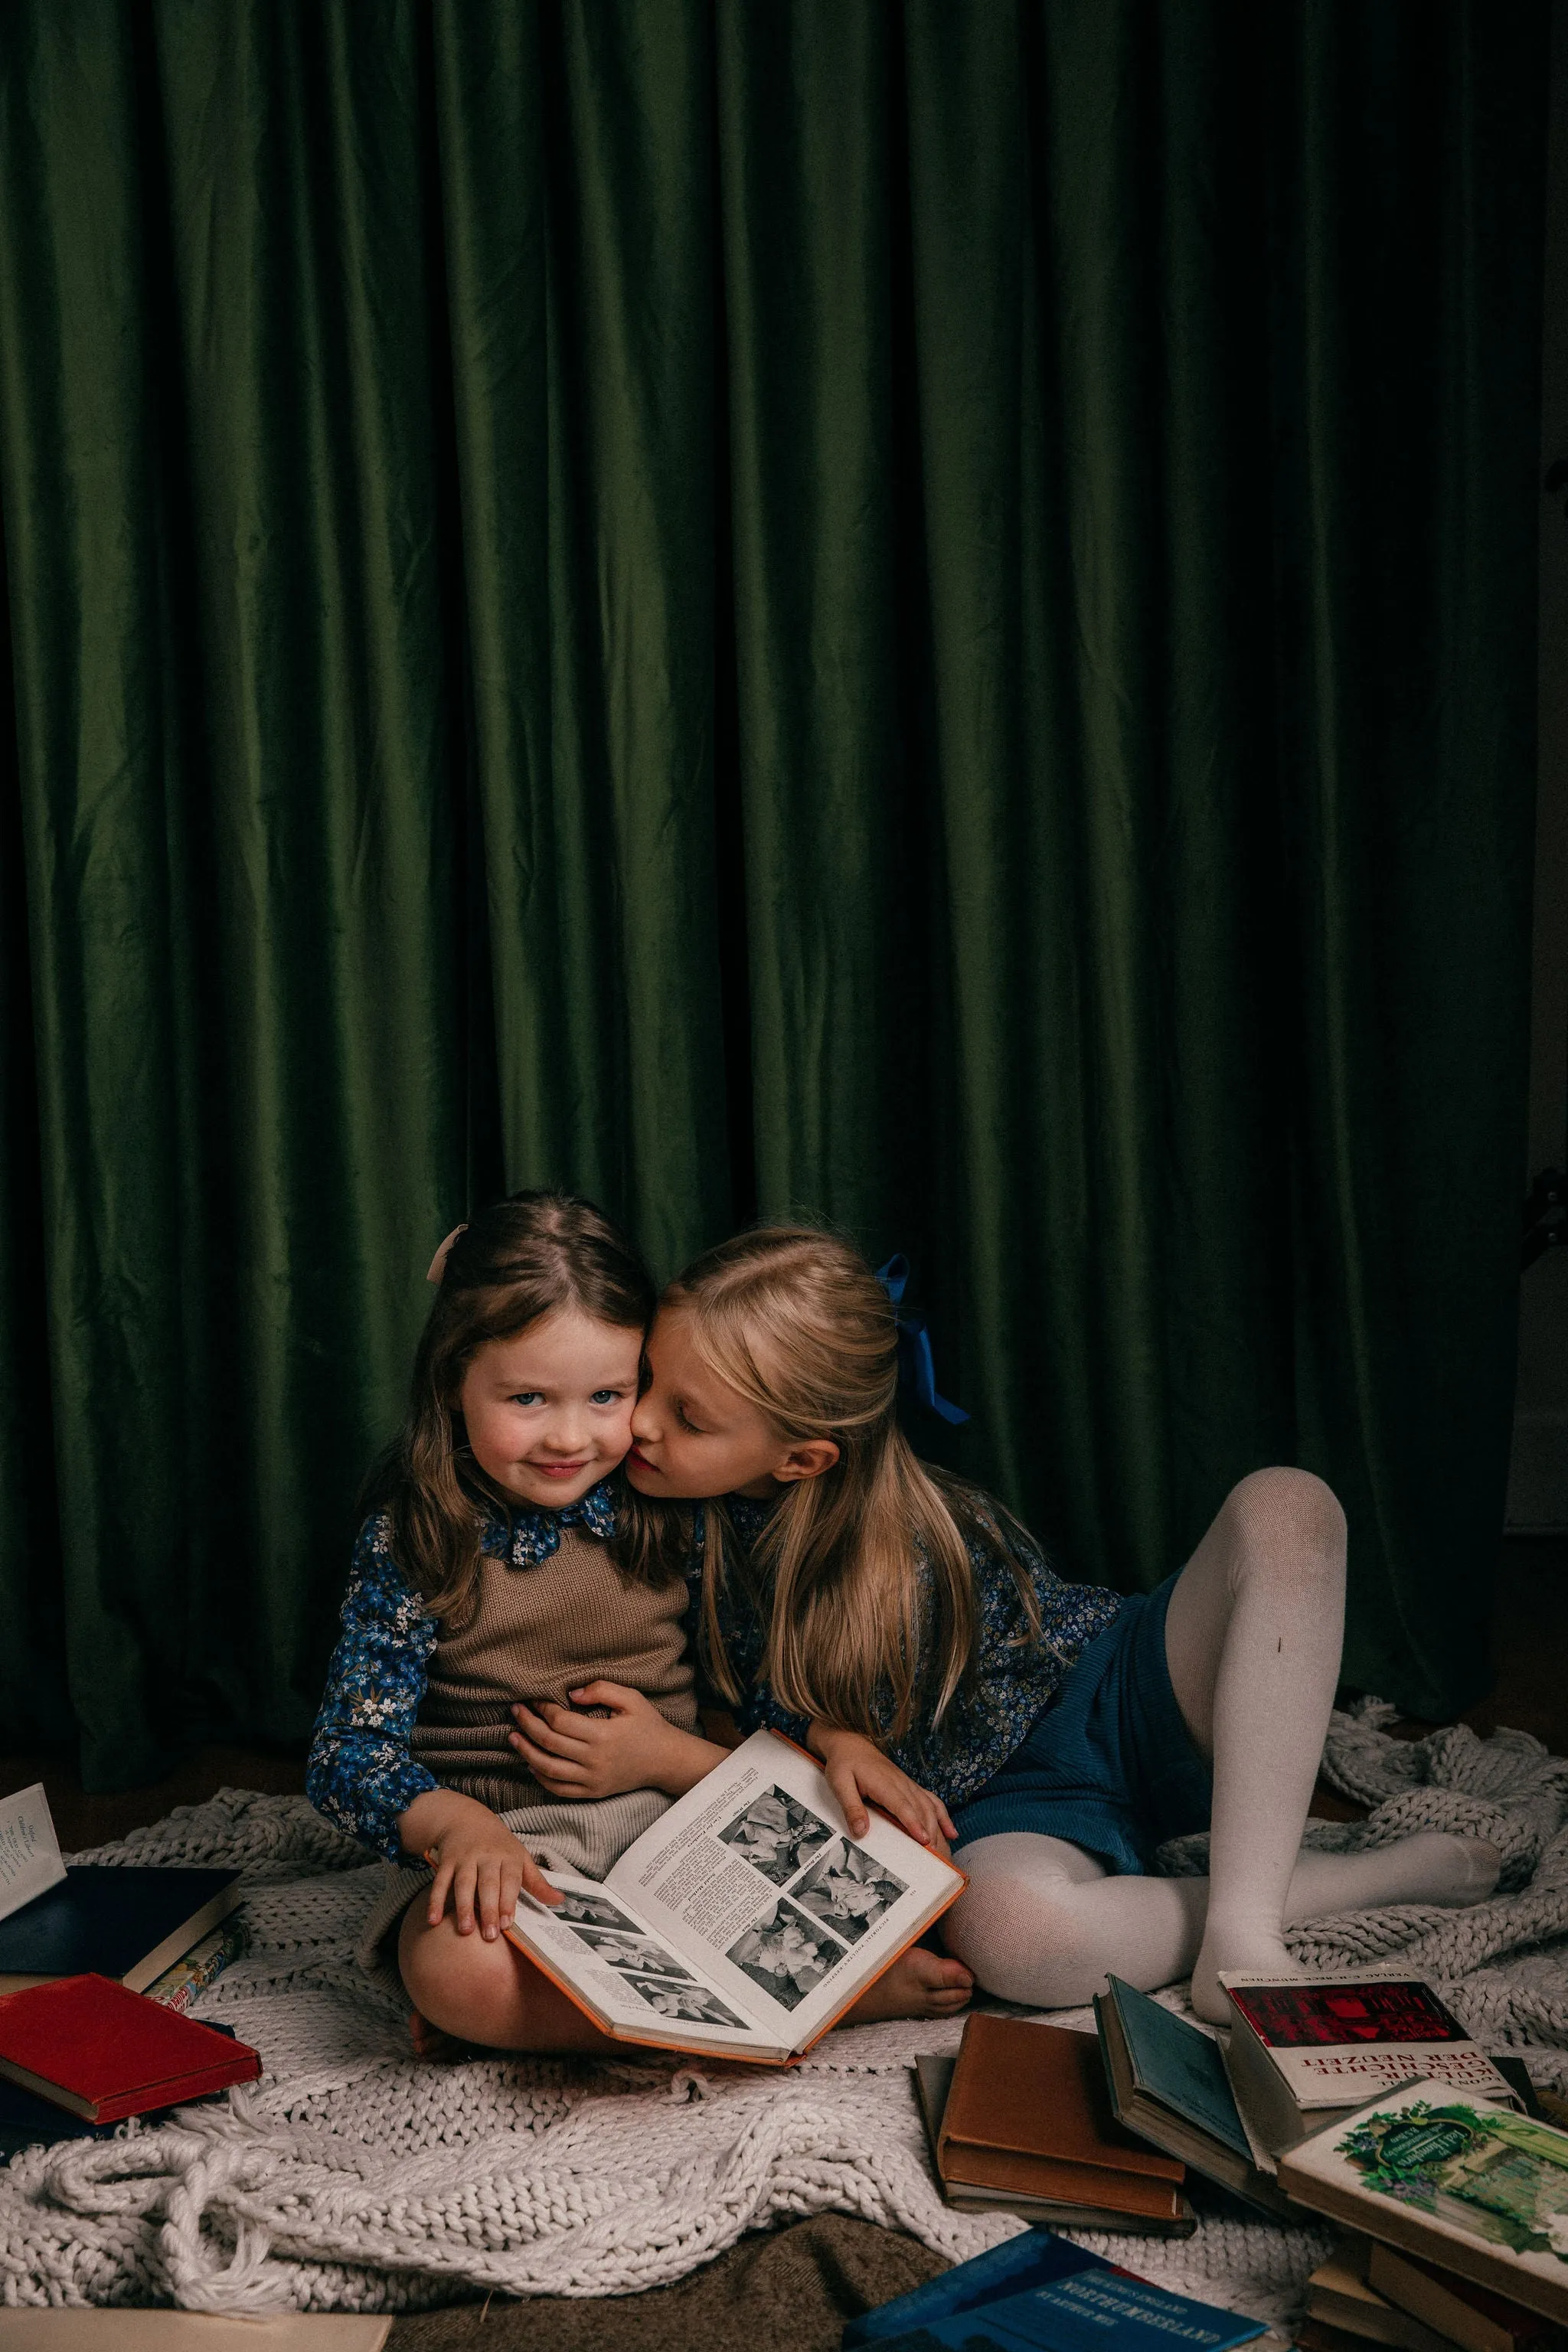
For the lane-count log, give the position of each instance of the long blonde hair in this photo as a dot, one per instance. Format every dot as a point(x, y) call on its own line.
point(794, 1320)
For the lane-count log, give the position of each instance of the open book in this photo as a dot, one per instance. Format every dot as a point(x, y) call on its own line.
point(746, 1921)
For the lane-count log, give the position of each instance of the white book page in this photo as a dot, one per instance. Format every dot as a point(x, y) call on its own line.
point(29, 1851)
point(754, 1877)
point(602, 1946)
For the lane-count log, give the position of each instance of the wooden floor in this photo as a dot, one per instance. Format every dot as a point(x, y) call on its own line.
point(801, 2292)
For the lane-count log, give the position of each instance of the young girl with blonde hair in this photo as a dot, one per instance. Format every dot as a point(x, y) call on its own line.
point(908, 1628)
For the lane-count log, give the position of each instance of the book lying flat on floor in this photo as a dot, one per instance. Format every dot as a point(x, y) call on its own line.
point(1040, 2295)
point(103, 2053)
point(1306, 2051)
point(1033, 2259)
point(1340, 2298)
point(1028, 2111)
point(1454, 2310)
point(130, 1923)
point(1471, 2186)
point(29, 2121)
point(746, 1921)
point(1168, 2083)
point(933, 2079)
point(119, 2330)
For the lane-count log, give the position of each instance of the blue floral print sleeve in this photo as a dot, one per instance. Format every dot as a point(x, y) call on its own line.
point(1011, 1678)
point(360, 1773)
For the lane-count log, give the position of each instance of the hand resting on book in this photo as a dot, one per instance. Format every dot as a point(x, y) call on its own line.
point(480, 1866)
point(860, 1774)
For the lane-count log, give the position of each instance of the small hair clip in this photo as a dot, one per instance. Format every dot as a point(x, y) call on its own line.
point(438, 1262)
point(916, 1370)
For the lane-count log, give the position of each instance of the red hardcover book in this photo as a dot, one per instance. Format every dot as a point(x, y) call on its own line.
point(90, 2045)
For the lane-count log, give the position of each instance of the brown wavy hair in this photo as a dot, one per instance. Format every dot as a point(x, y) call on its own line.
point(794, 1320)
point(509, 1266)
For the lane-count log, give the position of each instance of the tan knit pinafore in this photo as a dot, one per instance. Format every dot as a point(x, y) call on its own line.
point(535, 1634)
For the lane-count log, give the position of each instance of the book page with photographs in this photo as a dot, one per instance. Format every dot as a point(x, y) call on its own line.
point(612, 1957)
point(753, 1877)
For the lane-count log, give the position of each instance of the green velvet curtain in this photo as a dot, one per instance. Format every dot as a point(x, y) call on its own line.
point(917, 613)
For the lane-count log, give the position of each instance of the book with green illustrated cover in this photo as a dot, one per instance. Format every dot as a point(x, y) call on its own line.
point(1470, 2185)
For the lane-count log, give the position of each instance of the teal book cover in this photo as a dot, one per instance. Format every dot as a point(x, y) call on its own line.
point(1180, 2066)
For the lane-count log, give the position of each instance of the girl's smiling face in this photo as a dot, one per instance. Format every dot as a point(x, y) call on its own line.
point(547, 1414)
point(693, 1436)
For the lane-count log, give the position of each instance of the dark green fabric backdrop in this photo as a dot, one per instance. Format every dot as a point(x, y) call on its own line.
point(919, 614)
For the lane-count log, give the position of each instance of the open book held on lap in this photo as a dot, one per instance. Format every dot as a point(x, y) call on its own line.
point(746, 1921)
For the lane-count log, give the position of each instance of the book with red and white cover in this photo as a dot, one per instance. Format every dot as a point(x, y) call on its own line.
point(1305, 2051)
point(90, 2045)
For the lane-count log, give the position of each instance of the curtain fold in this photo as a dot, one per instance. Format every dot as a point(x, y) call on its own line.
point(1404, 740)
point(576, 166)
point(911, 615)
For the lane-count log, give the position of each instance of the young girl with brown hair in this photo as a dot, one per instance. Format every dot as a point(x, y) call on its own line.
point(905, 1627)
point(487, 1573)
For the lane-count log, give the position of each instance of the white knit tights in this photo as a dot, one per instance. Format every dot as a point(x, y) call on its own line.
point(1253, 1643)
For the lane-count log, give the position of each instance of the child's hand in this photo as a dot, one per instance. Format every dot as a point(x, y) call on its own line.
point(631, 1746)
point(480, 1866)
point(859, 1773)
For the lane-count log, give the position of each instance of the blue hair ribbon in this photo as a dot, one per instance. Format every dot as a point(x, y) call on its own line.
point(916, 1370)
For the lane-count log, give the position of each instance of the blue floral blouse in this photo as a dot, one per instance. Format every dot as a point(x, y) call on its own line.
point(1011, 1680)
point(361, 1774)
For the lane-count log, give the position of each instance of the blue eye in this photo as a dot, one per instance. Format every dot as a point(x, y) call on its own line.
point(604, 1396)
point(529, 1396)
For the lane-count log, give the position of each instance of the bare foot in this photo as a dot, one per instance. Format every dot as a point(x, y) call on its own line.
point(919, 1984)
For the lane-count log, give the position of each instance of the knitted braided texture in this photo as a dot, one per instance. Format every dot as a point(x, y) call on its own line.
point(352, 2177)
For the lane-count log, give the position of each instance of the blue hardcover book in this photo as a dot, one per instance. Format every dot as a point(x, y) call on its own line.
point(1081, 2311)
point(1179, 2065)
point(1033, 2260)
point(130, 1922)
point(1168, 2083)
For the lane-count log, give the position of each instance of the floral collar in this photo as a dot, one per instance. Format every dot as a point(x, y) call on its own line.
point(749, 1515)
point(525, 1537)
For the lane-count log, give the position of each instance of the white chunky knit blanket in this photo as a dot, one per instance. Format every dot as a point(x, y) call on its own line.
point(353, 2176)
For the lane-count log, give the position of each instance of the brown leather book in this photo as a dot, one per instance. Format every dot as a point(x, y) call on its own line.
point(1029, 2113)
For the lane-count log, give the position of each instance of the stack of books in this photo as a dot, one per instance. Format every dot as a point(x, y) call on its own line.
point(1357, 2097)
point(1367, 2293)
point(1375, 2107)
point(97, 1966)
point(1021, 2122)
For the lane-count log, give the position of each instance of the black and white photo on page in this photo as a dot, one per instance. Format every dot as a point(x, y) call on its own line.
point(692, 2002)
point(847, 1889)
point(578, 1909)
point(638, 1954)
point(776, 1834)
point(787, 1953)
